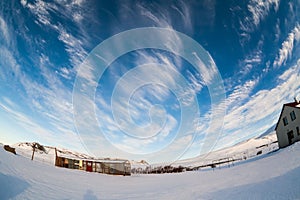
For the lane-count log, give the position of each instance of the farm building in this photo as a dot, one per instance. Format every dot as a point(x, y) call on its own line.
point(288, 125)
point(116, 167)
point(106, 166)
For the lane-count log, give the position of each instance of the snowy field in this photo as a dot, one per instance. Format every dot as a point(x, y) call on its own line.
point(241, 151)
point(271, 176)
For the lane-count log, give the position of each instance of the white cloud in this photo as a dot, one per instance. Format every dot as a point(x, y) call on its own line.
point(249, 113)
point(162, 18)
point(287, 47)
point(277, 30)
point(74, 46)
point(260, 9)
point(132, 102)
point(41, 10)
point(65, 72)
point(72, 11)
point(23, 2)
point(4, 30)
point(185, 12)
point(261, 110)
point(156, 15)
point(46, 134)
point(7, 59)
point(162, 21)
point(252, 60)
point(206, 72)
point(210, 128)
point(240, 94)
point(50, 101)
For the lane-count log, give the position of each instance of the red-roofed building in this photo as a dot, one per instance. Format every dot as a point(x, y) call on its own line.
point(288, 125)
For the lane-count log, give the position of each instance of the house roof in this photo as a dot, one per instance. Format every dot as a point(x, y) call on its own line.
point(292, 104)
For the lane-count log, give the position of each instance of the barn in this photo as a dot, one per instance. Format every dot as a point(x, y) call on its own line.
point(106, 166)
point(288, 125)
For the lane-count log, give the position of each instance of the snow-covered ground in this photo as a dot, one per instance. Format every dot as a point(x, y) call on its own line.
point(48, 156)
point(25, 149)
point(271, 176)
point(241, 151)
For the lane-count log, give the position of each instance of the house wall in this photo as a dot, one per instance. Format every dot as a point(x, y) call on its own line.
point(282, 131)
point(117, 168)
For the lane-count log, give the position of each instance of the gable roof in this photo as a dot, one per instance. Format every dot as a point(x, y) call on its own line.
point(292, 104)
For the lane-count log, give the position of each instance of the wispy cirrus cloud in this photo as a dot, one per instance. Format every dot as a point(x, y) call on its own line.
point(154, 14)
point(163, 20)
point(7, 59)
point(240, 83)
point(285, 52)
point(251, 113)
point(4, 30)
point(74, 44)
point(260, 9)
point(185, 12)
point(35, 128)
point(240, 94)
point(49, 100)
point(262, 109)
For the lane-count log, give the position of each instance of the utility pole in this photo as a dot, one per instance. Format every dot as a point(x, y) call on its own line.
point(33, 150)
point(56, 158)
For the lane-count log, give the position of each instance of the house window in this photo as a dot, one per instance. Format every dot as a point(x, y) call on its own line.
point(285, 121)
point(298, 132)
point(293, 115)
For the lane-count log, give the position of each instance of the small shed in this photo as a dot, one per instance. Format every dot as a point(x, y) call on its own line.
point(288, 125)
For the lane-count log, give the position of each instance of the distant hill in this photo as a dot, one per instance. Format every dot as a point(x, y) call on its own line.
point(267, 132)
point(48, 156)
point(244, 150)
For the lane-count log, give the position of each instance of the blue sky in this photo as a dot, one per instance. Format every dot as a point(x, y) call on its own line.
point(149, 103)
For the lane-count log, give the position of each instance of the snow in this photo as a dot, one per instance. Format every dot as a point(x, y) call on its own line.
point(241, 151)
point(271, 176)
point(25, 149)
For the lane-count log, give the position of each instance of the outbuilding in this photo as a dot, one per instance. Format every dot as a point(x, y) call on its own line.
point(106, 166)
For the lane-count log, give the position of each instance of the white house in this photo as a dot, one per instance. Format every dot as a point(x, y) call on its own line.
point(288, 125)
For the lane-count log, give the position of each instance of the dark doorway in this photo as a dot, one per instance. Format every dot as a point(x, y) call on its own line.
point(290, 135)
point(89, 166)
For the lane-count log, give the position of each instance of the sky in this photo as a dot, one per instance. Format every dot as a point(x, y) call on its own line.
point(152, 80)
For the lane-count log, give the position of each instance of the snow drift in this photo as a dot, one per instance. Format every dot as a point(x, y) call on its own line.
point(271, 176)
